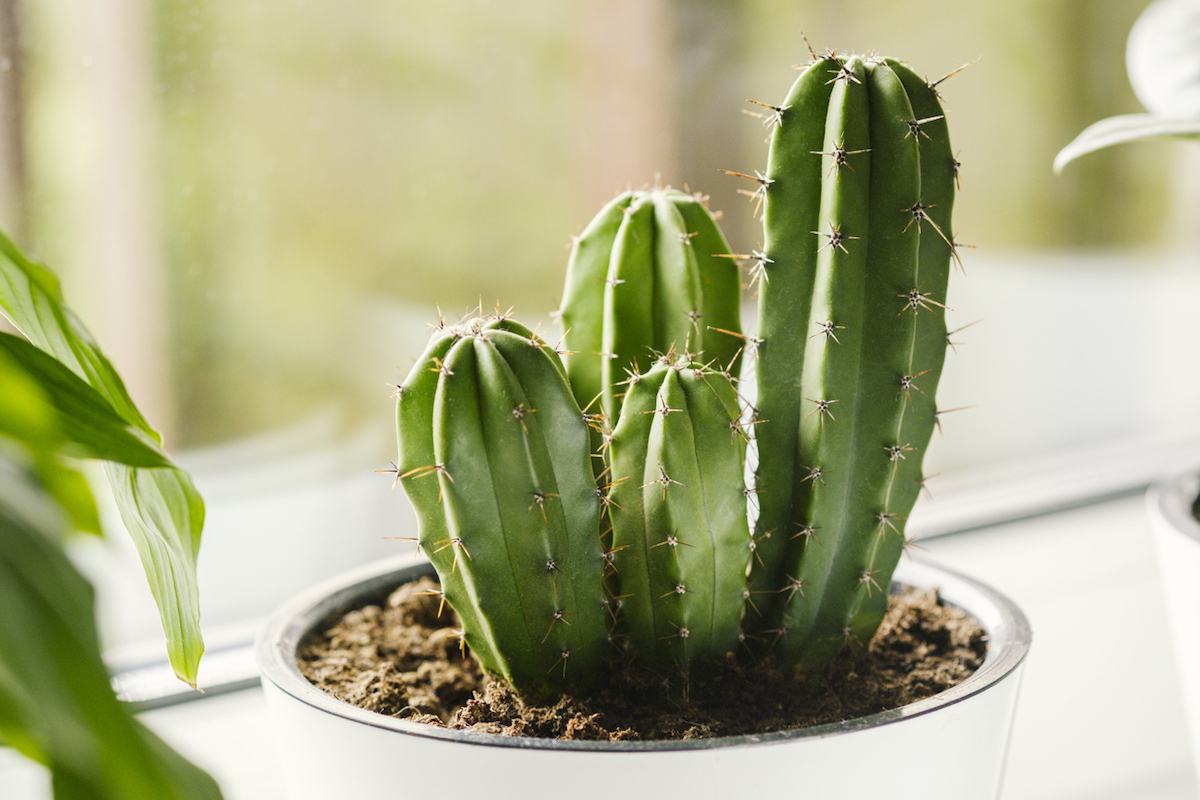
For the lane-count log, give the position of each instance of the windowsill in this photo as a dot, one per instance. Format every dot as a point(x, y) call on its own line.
point(1099, 714)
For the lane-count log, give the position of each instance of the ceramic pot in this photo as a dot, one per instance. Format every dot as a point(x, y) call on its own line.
point(1177, 542)
point(952, 745)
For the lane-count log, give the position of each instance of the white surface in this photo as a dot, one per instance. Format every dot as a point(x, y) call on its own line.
point(1099, 715)
point(1070, 350)
point(230, 737)
point(1007, 492)
point(1178, 549)
point(331, 758)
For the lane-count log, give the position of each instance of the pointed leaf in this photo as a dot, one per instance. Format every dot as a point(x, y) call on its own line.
point(29, 432)
point(161, 507)
point(1162, 58)
point(164, 514)
point(31, 299)
point(1124, 128)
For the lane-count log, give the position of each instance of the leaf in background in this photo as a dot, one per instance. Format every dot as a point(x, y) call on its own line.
point(56, 703)
point(85, 418)
point(29, 431)
point(71, 490)
point(1124, 128)
point(161, 507)
point(1162, 58)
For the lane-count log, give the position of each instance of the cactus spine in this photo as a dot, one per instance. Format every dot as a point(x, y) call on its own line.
point(645, 276)
point(494, 454)
point(858, 195)
point(681, 542)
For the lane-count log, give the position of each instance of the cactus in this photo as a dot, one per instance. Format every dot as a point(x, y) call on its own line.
point(651, 271)
point(494, 455)
point(681, 542)
point(857, 199)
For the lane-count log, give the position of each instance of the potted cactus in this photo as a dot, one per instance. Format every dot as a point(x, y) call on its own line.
point(567, 498)
point(1163, 63)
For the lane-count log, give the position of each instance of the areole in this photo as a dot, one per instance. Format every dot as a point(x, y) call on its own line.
point(951, 745)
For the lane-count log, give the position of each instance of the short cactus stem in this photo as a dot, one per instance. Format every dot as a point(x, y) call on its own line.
point(681, 540)
point(649, 274)
point(857, 225)
point(495, 457)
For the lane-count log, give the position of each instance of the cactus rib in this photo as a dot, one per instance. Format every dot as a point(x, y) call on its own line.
point(790, 214)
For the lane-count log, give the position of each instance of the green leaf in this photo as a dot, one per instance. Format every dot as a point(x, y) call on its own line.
point(164, 514)
point(161, 507)
point(1124, 128)
point(25, 412)
point(22, 488)
point(56, 703)
point(29, 431)
point(31, 299)
point(71, 490)
point(85, 418)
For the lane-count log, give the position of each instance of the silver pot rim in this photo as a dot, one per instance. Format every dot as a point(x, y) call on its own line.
point(1008, 630)
point(1173, 497)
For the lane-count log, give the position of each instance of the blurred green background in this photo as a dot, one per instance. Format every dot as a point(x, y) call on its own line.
point(258, 203)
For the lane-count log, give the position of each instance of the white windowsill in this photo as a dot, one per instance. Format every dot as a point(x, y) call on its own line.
point(1067, 538)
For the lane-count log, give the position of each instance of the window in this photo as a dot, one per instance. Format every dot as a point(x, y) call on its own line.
point(258, 207)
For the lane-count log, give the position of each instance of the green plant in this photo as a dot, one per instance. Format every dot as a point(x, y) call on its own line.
point(857, 195)
point(62, 401)
point(158, 503)
point(495, 456)
point(857, 198)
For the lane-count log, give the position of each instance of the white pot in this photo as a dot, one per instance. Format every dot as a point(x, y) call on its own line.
point(1177, 540)
point(950, 746)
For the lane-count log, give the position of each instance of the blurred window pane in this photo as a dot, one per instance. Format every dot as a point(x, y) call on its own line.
point(258, 205)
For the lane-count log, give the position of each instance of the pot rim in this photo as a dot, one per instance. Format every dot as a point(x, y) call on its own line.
point(1172, 498)
point(1008, 630)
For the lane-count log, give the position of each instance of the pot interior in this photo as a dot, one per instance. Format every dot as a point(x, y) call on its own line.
point(1006, 627)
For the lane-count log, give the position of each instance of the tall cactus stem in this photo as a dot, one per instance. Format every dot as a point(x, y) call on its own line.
point(857, 223)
